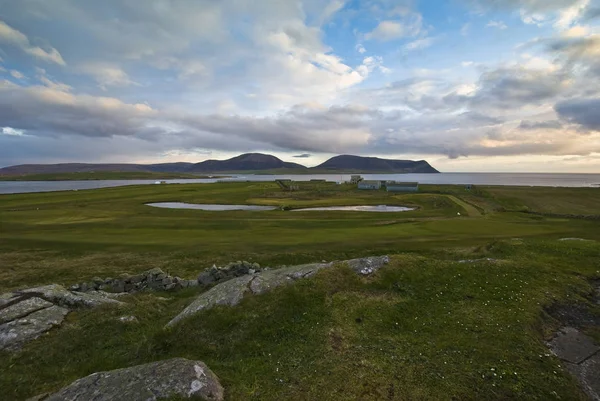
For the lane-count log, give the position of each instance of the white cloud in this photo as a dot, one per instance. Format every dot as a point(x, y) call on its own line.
point(532, 19)
point(106, 74)
point(46, 81)
point(16, 74)
point(330, 10)
point(497, 24)
point(369, 64)
point(14, 37)
point(397, 29)
point(576, 32)
point(570, 15)
point(360, 48)
point(11, 131)
point(467, 63)
point(419, 44)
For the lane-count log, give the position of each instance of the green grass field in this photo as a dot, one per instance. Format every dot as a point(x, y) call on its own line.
point(425, 327)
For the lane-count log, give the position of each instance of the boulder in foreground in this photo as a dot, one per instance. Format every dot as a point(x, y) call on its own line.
point(173, 377)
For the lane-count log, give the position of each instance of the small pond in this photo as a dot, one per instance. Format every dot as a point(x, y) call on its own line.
point(209, 207)
point(380, 208)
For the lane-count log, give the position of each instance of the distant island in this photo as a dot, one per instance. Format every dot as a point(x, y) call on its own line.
point(248, 163)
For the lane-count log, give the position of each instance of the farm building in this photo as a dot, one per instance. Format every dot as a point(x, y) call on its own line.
point(402, 186)
point(369, 185)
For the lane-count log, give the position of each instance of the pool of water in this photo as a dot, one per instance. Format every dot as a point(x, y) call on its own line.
point(380, 209)
point(209, 207)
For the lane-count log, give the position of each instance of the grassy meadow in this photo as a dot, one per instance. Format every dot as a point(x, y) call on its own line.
point(424, 327)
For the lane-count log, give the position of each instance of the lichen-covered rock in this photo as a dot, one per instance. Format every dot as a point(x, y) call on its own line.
point(6, 298)
point(370, 265)
point(20, 331)
point(228, 293)
point(270, 279)
point(174, 377)
point(231, 292)
point(22, 308)
point(59, 295)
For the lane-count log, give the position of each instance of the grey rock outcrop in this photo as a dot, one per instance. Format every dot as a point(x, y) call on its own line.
point(270, 279)
point(151, 381)
point(22, 309)
point(228, 293)
point(233, 291)
point(16, 333)
point(59, 295)
point(366, 266)
point(581, 357)
point(27, 314)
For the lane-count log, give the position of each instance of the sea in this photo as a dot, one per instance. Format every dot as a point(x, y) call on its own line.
point(513, 179)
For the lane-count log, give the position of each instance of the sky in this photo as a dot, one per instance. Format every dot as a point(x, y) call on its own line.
point(468, 85)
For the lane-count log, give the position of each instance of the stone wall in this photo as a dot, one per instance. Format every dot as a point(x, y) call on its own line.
point(157, 280)
point(154, 279)
point(235, 269)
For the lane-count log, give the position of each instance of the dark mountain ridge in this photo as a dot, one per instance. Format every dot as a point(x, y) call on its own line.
point(245, 162)
point(375, 164)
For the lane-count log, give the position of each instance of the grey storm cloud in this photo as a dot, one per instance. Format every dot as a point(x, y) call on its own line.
point(51, 111)
point(592, 13)
point(517, 87)
point(533, 125)
point(303, 156)
point(48, 114)
point(584, 112)
point(580, 52)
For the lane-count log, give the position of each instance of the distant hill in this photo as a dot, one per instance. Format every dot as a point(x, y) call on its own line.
point(249, 162)
point(375, 164)
point(70, 168)
point(245, 162)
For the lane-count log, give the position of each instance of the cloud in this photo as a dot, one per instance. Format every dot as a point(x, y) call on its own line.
point(46, 81)
point(568, 16)
point(581, 111)
point(236, 76)
point(396, 29)
point(591, 13)
point(527, 5)
point(464, 30)
point(517, 87)
point(545, 125)
point(40, 110)
point(14, 37)
point(11, 131)
point(419, 44)
point(106, 74)
point(497, 24)
point(16, 74)
point(578, 53)
point(330, 10)
point(303, 156)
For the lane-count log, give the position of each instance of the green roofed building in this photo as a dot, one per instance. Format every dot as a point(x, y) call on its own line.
point(369, 185)
point(402, 186)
